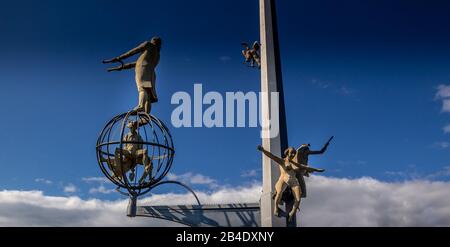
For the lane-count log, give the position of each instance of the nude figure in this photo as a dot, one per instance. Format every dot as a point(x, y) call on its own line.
point(288, 171)
point(251, 55)
point(302, 157)
point(131, 155)
point(145, 74)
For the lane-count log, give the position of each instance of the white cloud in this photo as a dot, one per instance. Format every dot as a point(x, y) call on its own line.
point(343, 90)
point(101, 189)
point(320, 84)
point(444, 172)
point(446, 105)
point(330, 202)
point(195, 179)
point(95, 179)
point(43, 180)
point(442, 145)
point(70, 188)
point(225, 58)
point(447, 129)
point(334, 87)
point(250, 173)
point(443, 91)
point(368, 202)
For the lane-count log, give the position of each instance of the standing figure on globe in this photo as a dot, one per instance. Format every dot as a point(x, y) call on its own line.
point(132, 154)
point(145, 71)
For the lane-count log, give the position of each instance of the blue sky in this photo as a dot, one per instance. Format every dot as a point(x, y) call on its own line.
point(366, 72)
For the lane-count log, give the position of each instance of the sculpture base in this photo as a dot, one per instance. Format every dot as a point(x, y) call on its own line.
point(132, 206)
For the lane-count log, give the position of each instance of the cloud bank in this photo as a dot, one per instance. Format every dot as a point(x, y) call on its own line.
point(330, 202)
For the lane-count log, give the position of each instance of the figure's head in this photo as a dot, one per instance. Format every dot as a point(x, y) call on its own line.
point(304, 147)
point(290, 152)
point(132, 125)
point(156, 41)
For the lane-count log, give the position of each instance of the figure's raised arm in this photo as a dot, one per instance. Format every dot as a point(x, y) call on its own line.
point(275, 158)
point(324, 148)
point(134, 51)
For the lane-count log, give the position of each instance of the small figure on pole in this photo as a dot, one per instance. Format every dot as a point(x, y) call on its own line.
point(251, 55)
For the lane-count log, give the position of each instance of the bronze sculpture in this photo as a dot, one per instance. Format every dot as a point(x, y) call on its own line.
point(132, 154)
point(145, 71)
point(301, 157)
point(251, 55)
point(293, 167)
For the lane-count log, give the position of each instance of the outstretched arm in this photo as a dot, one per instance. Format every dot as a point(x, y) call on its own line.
point(122, 67)
point(275, 158)
point(307, 168)
point(324, 148)
point(321, 151)
point(134, 51)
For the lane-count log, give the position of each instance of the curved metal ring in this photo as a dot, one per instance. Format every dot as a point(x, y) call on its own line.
point(175, 182)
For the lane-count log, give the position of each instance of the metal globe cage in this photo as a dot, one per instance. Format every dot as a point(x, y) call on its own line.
point(120, 152)
point(155, 139)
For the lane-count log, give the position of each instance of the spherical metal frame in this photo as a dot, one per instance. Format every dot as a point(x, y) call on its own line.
point(164, 150)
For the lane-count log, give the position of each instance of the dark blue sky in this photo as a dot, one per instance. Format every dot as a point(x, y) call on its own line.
point(364, 71)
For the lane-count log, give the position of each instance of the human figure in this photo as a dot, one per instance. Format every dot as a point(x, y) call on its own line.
point(132, 154)
point(251, 55)
point(144, 69)
point(301, 157)
point(288, 170)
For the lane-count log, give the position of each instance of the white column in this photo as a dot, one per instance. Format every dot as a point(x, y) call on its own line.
point(270, 170)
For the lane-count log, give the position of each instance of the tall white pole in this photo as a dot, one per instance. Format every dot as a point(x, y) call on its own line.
point(269, 84)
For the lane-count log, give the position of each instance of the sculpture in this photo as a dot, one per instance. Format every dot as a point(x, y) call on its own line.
point(145, 71)
point(301, 157)
point(132, 154)
point(119, 152)
point(251, 55)
point(289, 175)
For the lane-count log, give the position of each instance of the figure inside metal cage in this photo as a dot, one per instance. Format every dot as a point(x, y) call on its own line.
point(132, 154)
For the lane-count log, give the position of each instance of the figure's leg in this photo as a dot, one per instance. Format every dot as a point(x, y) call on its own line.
point(123, 161)
point(258, 62)
point(148, 167)
point(142, 99)
point(245, 56)
point(117, 168)
point(280, 186)
point(132, 174)
point(297, 195)
point(148, 103)
point(111, 164)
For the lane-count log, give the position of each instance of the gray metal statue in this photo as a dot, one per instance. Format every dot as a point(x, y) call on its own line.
point(293, 167)
point(145, 71)
point(251, 55)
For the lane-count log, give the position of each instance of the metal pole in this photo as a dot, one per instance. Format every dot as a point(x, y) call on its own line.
point(271, 81)
point(132, 206)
